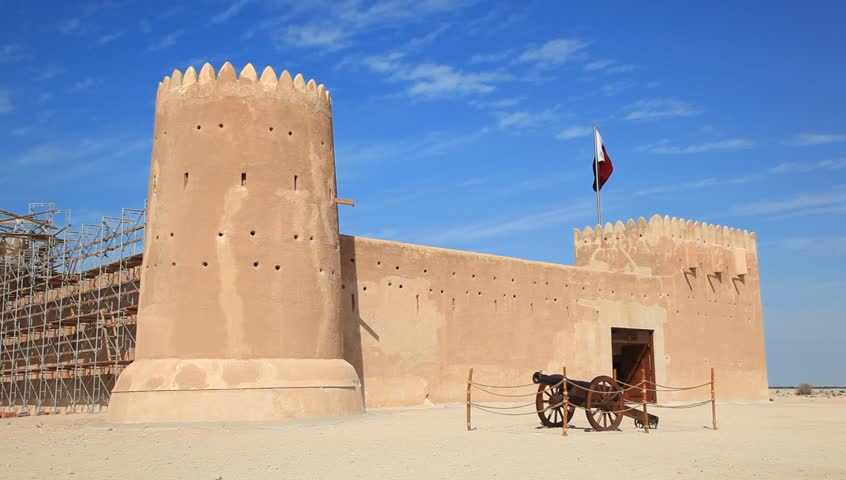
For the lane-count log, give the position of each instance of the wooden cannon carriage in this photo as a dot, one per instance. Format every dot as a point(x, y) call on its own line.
point(602, 398)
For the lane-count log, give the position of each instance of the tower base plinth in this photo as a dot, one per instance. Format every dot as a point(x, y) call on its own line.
point(217, 390)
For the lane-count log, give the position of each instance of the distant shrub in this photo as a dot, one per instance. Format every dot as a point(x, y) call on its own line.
point(804, 389)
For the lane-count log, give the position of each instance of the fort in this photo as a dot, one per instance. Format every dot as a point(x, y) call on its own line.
point(250, 305)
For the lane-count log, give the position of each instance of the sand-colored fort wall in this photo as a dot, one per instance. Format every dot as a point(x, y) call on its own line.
point(416, 318)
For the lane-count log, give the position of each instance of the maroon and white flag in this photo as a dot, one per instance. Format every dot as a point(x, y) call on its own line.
point(602, 161)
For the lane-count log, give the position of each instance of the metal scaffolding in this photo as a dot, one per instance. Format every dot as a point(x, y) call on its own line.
point(68, 302)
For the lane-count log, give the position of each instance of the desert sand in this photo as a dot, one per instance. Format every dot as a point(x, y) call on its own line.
point(788, 437)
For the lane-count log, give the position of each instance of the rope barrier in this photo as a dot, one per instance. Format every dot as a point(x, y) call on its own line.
point(601, 391)
point(663, 388)
point(503, 386)
point(505, 394)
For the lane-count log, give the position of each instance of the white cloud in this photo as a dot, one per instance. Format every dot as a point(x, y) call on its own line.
point(611, 89)
point(21, 131)
point(342, 22)
point(491, 57)
point(50, 71)
point(434, 80)
point(802, 204)
point(802, 167)
point(230, 11)
point(506, 226)
point(166, 41)
point(84, 85)
point(105, 39)
point(817, 138)
point(6, 101)
point(598, 65)
point(524, 119)
point(71, 25)
point(570, 133)
point(10, 52)
point(827, 246)
point(728, 144)
point(553, 52)
point(651, 109)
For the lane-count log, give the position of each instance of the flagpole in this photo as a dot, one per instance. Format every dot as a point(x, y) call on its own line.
point(596, 175)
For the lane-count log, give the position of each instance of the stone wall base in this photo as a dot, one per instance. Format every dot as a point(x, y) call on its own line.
point(216, 390)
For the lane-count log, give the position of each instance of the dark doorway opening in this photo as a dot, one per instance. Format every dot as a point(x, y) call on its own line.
point(634, 361)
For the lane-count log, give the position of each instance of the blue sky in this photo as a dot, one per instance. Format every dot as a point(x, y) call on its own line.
point(465, 124)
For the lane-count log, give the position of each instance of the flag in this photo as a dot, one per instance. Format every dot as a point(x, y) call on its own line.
point(602, 159)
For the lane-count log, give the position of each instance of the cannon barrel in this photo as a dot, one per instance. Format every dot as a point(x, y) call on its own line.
point(539, 377)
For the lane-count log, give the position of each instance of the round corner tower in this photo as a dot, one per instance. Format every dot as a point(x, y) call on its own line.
point(239, 314)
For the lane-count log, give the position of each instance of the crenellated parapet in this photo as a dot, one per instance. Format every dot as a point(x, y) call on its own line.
point(179, 85)
point(667, 227)
point(650, 246)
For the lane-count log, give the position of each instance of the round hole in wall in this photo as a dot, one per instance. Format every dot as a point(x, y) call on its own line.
point(219, 234)
point(205, 264)
point(453, 274)
point(157, 237)
point(252, 233)
point(343, 286)
point(352, 260)
point(271, 129)
point(400, 285)
point(321, 269)
point(480, 293)
point(514, 296)
point(171, 234)
point(290, 133)
point(442, 291)
point(255, 264)
point(277, 267)
point(364, 288)
point(425, 271)
point(311, 237)
point(397, 267)
point(321, 142)
point(379, 264)
point(466, 292)
point(172, 264)
point(296, 236)
point(473, 276)
point(389, 284)
point(198, 127)
point(219, 125)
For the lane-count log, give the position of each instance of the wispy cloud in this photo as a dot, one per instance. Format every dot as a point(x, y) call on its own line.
point(554, 52)
point(820, 167)
point(427, 145)
point(166, 41)
point(525, 119)
point(230, 11)
point(6, 105)
point(608, 66)
point(828, 246)
point(434, 80)
point(10, 52)
point(21, 131)
point(817, 138)
point(48, 72)
point(343, 22)
point(473, 181)
point(71, 25)
point(802, 204)
point(84, 85)
point(507, 226)
point(615, 88)
point(651, 109)
point(662, 148)
point(491, 57)
point(570, 133)
point(109, 38)
point(802, 167)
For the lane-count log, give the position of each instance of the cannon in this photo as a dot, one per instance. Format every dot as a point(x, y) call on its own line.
point(602, 398)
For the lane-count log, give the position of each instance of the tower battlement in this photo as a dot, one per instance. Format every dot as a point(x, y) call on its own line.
point(247, 83)
point(677, 229)
point(663, 244)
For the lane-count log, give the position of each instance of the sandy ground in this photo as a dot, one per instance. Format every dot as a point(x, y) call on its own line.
point(790, 437)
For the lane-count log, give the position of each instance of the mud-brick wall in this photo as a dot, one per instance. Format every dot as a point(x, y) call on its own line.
point(416, 318)
point(711, 274)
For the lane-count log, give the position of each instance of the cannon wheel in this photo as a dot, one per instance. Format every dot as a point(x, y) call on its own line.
point(604, 404)
point(549, 395)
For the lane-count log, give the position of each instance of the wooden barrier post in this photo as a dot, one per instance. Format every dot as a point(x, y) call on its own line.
point(713, 402)
point(469, 385)
point(566, 400)
point(643, 392)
